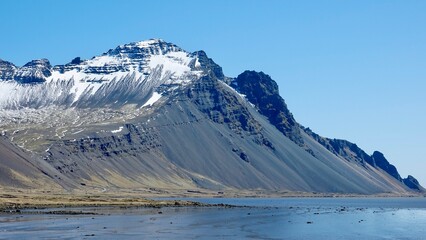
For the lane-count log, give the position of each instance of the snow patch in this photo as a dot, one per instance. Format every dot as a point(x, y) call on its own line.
point(154, 98)
point(174, 62)
point(118, 130)
point(103, 60)
point(147, 43)
point(243, 96)
point(7, 89)
point(79, 131)
point(197, 63)
point(83, 82)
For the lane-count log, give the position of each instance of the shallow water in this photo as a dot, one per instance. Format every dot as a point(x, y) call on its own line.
point(290, 218)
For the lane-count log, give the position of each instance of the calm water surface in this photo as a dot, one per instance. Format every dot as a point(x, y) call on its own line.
point(289, 218)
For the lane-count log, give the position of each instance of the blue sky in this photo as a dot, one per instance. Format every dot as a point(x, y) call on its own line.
point(347, 69)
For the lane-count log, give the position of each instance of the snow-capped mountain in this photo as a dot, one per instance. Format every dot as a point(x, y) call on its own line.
point(140, 67)
point(149, 115)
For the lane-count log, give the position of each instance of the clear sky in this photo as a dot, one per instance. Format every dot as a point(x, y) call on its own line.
point(354, 70)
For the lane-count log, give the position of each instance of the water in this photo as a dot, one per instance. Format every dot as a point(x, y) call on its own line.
point(290, 218)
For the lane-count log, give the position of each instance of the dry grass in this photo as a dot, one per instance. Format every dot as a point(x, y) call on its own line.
point(26, 201)
point(140, 198)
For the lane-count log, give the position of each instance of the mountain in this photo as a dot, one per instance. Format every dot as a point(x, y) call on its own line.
point(149, 116)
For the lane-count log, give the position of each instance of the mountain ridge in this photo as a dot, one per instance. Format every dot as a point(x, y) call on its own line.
point(265, 96)
point(118, 120)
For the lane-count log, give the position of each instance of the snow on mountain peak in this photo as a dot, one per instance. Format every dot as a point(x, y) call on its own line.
point(146, 43)
point(143, 48)
point(150, 63)
point(129, 57)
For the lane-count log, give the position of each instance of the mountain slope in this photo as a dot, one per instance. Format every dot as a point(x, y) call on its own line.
point(149, 115)
point(20, 170)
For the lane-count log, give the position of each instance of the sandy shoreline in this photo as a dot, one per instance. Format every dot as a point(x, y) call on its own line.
point(13, 201)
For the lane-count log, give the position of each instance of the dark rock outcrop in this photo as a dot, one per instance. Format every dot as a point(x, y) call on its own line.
point(381, 162)
point(7, 70)
point(352, 152)
point(35, 71)
point(221, 106)
point(76, 61)
point(412, 183)
point(207, 64)
point(263, 92)
point(342, 148)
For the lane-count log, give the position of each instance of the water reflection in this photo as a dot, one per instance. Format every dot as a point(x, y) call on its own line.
point(269, 219)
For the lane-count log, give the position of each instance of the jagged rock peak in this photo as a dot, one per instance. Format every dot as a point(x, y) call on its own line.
point(412, 183)
point(38, 63)
point(6, 63)
point(141, 57)
point(206, 63)
point(351, 152)
point(76, 61)
point(7, 70)
point(34, 71)
point(140, 49)
point(260, 79)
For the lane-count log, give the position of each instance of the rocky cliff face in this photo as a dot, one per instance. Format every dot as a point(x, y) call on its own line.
point(379, 160)
point(343, 148)
point(262, 91)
